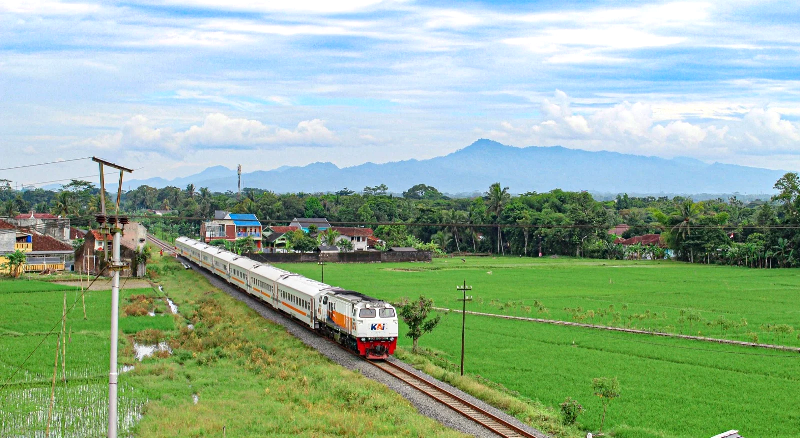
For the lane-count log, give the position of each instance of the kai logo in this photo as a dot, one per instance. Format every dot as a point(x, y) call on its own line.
point(378, 327)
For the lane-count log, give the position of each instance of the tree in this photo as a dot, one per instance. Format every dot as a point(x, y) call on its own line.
point(190, 191)
point(415, 315)
point(345, 245)
point(422, 191)
point(379, 190)
point(497, 198)
point(330, 236)
point(244, 245)
point(63, 204)
point(607, 389)
point(15, 261)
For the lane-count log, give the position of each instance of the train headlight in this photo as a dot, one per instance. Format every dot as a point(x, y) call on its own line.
point(363, 339)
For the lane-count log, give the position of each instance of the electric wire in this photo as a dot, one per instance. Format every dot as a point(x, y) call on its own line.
point(43, 164)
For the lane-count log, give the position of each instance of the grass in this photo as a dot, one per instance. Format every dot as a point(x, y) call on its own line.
point(31, 309)
point(670, 387)
point(254, 379)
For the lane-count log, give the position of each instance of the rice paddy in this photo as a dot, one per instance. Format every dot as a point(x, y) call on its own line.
point(670, 387)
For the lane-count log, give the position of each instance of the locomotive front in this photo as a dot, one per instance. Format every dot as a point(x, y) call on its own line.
point(375, 329)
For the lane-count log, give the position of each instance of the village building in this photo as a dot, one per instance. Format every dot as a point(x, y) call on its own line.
point(304, 223)
point(89, 257)
point(232, 226)
point(357, 236)
point(44, 223)
point(42, 252)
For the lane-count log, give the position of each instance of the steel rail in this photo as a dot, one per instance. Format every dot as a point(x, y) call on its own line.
point(457, 403)
point(454, 402)
point(160, 243)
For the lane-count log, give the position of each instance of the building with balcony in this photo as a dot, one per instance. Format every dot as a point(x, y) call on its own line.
point(356, 235)
point(232, 226)
point(44, 223)
point(43, 252)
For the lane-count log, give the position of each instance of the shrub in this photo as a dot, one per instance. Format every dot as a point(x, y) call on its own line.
point(570, 409)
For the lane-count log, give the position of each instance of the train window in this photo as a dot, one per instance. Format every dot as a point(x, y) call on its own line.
point(366, 313)
point(387, 313)
point(325, 300)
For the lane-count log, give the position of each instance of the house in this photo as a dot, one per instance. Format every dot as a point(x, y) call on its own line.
point(327, 249)
point(42, 251)
point(44, 223)
point(356, 235)
point(232, 226)
point(49, 253)
point(305, 222)
point(89, 256)
point(276, 238)
point(647, 239)
point(75, 234)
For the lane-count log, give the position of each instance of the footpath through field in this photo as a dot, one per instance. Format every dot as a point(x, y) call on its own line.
point(626, 330)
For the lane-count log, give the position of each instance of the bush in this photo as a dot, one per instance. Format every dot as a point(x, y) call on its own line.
point(570, 409)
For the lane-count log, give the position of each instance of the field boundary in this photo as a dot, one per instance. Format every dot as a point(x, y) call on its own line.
point(627, 330)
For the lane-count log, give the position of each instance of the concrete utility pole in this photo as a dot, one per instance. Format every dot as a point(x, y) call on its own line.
point(115, 266)
point(464, 300)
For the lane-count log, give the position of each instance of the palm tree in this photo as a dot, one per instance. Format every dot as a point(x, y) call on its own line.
point(497, 200)
point(330, 236)
point(190, 191)
point(62, 204)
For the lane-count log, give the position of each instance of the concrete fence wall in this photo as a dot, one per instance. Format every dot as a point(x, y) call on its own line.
point(344, 257)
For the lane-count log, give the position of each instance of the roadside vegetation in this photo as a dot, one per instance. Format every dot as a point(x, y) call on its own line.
point(222, 370)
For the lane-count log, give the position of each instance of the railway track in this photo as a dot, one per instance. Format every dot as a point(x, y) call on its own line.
point(467, 409)
point(160, 244)
point(453, 401)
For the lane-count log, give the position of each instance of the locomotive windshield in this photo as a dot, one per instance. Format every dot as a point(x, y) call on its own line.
point(387, 313)
point(366, 313)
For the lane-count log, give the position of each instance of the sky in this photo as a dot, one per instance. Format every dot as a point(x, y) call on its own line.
point(172, 87)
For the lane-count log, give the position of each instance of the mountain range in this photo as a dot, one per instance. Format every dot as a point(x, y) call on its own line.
point(475, 167)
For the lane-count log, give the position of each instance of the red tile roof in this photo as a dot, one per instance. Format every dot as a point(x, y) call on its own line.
point(619, 229)
point(33, 215)
point(75, 233)
point(6, 226)
point(98, 236)
point(647, 239)
point(47, 243)
point(354, 231)
point(282, 230)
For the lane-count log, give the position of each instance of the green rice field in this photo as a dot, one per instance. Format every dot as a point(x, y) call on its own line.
point(670, 387)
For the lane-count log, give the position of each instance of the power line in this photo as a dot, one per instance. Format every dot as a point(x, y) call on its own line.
point(42, 164)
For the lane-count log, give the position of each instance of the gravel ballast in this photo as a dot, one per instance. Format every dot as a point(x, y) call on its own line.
point(424, 404)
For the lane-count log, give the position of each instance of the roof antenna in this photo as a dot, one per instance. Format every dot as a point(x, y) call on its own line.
point(239, 171)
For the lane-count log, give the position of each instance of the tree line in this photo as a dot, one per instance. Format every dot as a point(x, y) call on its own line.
point(761, 233)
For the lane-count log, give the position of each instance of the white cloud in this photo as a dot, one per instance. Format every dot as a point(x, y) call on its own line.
point(631, 128)
point(217, 131)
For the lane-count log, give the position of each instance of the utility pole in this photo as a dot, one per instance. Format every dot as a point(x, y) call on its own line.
point(464, 300)
point(106, 224)
point(321, 263)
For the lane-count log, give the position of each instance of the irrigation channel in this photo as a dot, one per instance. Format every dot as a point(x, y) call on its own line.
point(431, 397)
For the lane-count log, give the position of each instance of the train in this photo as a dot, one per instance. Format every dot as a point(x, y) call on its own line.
point(366, 325)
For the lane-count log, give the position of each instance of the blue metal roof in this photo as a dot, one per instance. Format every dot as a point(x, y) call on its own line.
point(243, 217)
point(240, 223)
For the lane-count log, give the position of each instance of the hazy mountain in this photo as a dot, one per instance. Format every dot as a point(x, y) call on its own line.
point(484, 162)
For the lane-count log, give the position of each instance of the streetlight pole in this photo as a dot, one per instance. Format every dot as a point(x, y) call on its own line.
point(321, 263)
point(463, 300)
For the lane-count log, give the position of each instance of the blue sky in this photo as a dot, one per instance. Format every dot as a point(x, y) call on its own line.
point(173, 87)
